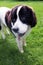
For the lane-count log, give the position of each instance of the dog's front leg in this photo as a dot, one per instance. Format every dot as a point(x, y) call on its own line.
point(20, 44)
point(2, 32)
point(24, 42)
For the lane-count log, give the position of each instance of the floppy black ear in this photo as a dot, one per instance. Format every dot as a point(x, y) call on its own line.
point(34, 19)
point(8, 19)
point(32, 16)
point(0, 27)
point(27, 16)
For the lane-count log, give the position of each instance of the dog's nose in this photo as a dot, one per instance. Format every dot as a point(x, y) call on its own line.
point(15, 30)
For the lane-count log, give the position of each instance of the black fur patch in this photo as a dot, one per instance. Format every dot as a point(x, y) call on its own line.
point(8, 22)
point(0, 27)
point(27, 16)
point(14, 14)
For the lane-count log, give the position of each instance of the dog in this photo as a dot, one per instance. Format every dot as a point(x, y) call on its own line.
point(20, 20)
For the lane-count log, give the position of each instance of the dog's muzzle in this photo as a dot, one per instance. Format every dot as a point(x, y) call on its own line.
point(21, 34)
point(16, 31)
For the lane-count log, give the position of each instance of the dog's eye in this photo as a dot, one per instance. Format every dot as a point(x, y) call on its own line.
point(13, 20)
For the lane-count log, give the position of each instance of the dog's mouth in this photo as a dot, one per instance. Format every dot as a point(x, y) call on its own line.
point(21, 34)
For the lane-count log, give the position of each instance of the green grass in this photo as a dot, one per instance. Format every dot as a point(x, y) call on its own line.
point(33, 53)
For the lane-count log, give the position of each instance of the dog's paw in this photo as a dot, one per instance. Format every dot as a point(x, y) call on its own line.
point(25, 44)
point(22, 51)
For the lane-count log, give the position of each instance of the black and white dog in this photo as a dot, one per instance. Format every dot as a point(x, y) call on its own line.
point(19, 20)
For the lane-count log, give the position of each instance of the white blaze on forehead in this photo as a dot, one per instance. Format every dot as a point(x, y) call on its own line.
point(18, 9)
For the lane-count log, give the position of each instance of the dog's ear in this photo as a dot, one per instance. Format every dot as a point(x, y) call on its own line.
point(8, 16)
point(27, 16)
point(0, 27)
point(8, 19)
point(33, 19)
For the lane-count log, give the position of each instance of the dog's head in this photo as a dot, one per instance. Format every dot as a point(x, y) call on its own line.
point(21, 19)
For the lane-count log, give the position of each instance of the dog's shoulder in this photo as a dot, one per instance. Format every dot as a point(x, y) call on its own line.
point(3, 11)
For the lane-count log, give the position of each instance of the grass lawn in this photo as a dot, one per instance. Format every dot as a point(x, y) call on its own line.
point(33, 53)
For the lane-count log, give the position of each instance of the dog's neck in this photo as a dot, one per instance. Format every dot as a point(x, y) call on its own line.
point(8, 19)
